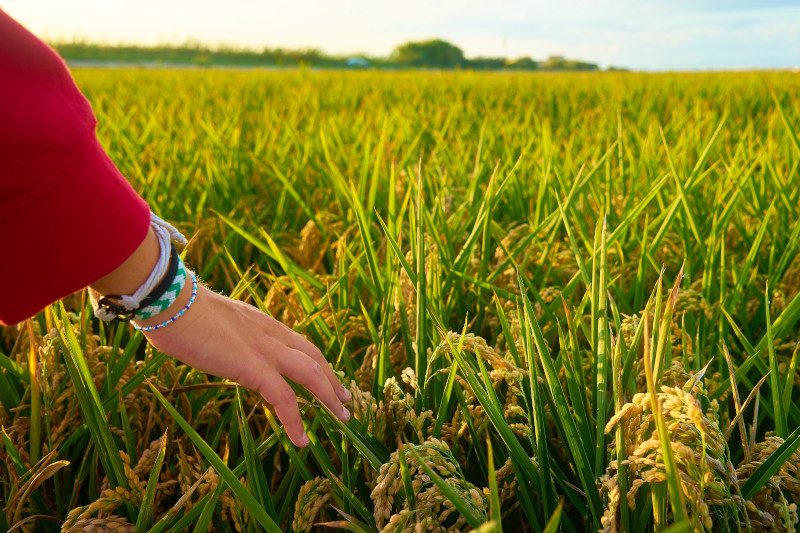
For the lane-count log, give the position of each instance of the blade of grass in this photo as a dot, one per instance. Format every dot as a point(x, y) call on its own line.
point(664, 348)
point(577, 380)
point(754, 394)
point(545, 488)
point(792, 134)
point(88, 399)
point(256, 509)
point(130, 440)
point(421, 354)
point(554, 521)
point(788, 386)
point(600, 296)
point(736, 402)
point(575, 446)
point(256, 478)
point(449, 492)
point(619, 402)
point(207, 514)
point(146, 508)
point(676, 496)
point(768, 468)
point(274, 252)
point(775, 390)
point(494, 497)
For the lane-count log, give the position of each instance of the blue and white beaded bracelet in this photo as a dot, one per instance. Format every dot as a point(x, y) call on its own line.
point(180, 313)
point(126, 307)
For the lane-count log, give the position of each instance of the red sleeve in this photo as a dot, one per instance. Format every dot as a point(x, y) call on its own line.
point(67, 215)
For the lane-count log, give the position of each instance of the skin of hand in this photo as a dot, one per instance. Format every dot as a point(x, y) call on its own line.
point(234, 340)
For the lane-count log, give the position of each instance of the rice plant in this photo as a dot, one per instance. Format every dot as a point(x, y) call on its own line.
point(561, 303)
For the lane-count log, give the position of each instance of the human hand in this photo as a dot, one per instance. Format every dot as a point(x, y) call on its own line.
point(235, 340)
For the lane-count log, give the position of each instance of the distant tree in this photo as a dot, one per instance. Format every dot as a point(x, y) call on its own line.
point(523, 63)
point(560, 63)
point(433, 53)
point(555, 63)
point(487, 63)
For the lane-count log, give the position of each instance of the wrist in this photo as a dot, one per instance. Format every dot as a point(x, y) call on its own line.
point(180, 303)
point(148, 284)
point(132, 273)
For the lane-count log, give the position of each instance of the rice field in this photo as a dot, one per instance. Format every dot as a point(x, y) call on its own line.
point(561, 303)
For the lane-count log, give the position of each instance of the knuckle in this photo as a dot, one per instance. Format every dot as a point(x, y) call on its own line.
point(316, 370)
point(287, 395)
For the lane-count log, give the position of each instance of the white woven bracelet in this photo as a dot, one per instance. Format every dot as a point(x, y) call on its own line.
point(165, 233)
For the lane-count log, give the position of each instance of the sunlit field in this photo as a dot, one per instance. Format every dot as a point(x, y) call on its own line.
point(562, 302)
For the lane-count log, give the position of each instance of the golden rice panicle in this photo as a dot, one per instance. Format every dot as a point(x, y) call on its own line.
point(405, 298)
point(399, 408)
point(147, 459)
point(609, 490)
point(433, 511)
point(775, 504)
point(479, 346)
point(698, 447)
point(110, 500)
point(283, 301)
point(397, 356)
point(506, 481)
point(790, 282)
point(693, 302)
point(313, 495)
point(109, 524)
point(506, 380)
point(232, 509)
point(310, 250)
point(135, 483)
point(368, 411)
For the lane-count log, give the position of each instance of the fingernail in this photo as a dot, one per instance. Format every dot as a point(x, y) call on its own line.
point(345, 414)
point(304, 440)
point(347, 395)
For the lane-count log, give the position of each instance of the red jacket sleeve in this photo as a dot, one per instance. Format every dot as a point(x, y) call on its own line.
point(67, 215)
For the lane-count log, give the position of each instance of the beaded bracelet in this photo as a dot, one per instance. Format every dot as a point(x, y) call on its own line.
point(179, 314)
point(153, 296)
point(167, 298)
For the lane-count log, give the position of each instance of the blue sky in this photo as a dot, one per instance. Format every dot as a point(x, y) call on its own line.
point(644, 34)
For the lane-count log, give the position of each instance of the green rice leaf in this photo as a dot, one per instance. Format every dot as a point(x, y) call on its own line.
point(768, 468)
point(450, 493)
point(255, 508)
point(146, 508)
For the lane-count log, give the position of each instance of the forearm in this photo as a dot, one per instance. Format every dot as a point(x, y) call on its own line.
point(67, 215)
point(131, 274)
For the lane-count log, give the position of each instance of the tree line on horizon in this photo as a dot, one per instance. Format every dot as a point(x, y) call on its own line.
point(430, 54)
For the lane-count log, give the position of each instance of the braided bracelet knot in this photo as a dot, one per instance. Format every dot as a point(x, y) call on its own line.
point(123, 309)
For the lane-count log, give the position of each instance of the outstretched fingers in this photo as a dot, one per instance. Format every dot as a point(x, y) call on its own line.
point(280, 395)
point(304, 370)
point(298, 342)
